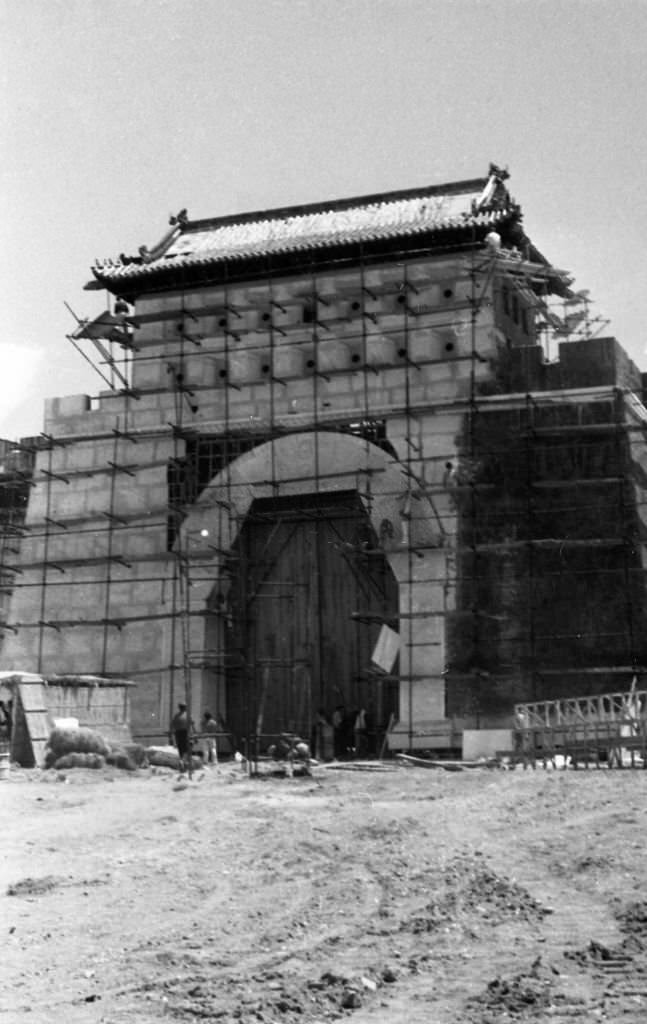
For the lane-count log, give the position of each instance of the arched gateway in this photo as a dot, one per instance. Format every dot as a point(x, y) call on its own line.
point(301, 536)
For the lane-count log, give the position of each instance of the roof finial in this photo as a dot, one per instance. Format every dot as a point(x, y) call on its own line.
point(179, 218)
point(177, 223)
point(500, 173)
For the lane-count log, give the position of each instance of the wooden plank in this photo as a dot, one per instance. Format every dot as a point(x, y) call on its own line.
point(32, 725)
point(32, 696)
point(407, 759)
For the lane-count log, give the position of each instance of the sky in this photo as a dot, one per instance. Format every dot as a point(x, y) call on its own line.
point(115, 114)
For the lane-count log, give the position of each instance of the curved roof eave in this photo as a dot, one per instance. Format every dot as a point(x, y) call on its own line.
point(118, 276)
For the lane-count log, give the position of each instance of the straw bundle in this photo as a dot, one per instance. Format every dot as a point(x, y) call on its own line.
point(137, 754)
point(168, 757)
point(118, 758)
point(80, 761)
point(77, 741)
point(163, 757)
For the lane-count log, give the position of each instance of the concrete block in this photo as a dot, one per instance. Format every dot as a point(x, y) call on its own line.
point(426, 658)
point(380, 350)
point(146, 333)
point(150, 373)
point(70, 405)
point(111, 403)
point(137, 410)
point(289, 361)
point(150, 415)
point(95, 421)
point(93, 454)
point(160, 449)
point(336, 384)
point(429, 344)
point(396, 376)
point(211, 409)
point(242, 409)
point(78, 455)
point(243, 367)
point(378, 395)
point(290, 316)
point(31, 550)
point(67, 504)
point(148, 305)
point(424, 699)
point(333, 355)
point(142, 544)
point(479, 743)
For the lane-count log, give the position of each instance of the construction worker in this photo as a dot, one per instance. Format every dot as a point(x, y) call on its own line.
point(5, 721)
point(209, 729)
point(180, 730)
point(339, 732)
point(6, 710)
point(360, 733)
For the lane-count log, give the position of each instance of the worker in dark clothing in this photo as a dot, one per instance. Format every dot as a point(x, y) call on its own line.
point(360, 733)
point(339, 732)
point(4, 726)
point(180, 730)
point(6, 722)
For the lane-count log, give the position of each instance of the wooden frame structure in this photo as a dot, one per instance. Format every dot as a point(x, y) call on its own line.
point(606, 730)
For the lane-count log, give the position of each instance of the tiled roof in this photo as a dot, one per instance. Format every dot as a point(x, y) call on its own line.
point(482, 202)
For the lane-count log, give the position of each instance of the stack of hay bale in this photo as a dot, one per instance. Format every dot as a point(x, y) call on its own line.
point(79, 747)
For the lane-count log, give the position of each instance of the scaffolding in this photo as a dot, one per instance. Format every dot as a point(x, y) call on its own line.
point(288, 458)
point(16, 472)
point(608, 730)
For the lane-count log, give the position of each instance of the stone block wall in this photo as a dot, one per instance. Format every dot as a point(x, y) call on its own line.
point(94, 563)
point(284, 385)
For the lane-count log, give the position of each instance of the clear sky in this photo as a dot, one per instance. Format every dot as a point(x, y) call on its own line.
point(116, 113)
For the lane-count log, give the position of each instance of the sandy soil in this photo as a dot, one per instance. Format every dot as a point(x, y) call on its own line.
point(405, 895)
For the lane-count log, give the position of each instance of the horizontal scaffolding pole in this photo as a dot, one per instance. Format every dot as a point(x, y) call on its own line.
point(514, 672)
point(549, 543)
point(25, 585)
point(119, 621)
point(448, 580)
point(592, 670)
point(127, 561)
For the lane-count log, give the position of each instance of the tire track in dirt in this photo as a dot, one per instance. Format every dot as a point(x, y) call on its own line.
point(286, 902)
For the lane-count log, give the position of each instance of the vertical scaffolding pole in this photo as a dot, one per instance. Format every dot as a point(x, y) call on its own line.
point(46, 536)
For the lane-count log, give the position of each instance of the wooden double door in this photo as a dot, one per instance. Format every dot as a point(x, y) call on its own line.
point(310, 589)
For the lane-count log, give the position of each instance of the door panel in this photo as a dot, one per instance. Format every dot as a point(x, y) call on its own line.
point(309, 590)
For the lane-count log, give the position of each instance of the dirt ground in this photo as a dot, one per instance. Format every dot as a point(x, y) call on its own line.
point(404, 895)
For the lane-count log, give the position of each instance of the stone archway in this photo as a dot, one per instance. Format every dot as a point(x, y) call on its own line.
point(320, 466)
point(310, 463)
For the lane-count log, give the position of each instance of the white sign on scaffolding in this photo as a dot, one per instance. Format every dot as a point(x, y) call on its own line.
point(386, 649)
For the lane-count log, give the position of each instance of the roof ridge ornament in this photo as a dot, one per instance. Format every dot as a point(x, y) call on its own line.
point(500, 173)
point(177, 222)
point(495, 195)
